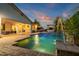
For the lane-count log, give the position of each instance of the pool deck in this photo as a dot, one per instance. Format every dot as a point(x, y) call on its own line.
point(67, 47)
point(7, 48)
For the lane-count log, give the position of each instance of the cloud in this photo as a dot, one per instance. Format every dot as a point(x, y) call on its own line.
point(41, 16)
point(66, 14)
point(29, 13)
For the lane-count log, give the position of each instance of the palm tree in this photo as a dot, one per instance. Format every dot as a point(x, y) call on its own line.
point(72, 27)
point(58, 25)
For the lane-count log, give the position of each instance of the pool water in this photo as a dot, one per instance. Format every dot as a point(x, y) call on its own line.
point(43, 42)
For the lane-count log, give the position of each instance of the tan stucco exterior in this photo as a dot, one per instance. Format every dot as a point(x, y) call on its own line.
point(13, 20)
point(10, 26)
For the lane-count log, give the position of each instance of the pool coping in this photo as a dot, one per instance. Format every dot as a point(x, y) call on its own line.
point(45, 54)
point(67, 47)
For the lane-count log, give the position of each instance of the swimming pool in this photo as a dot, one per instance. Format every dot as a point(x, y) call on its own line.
point(43, 42)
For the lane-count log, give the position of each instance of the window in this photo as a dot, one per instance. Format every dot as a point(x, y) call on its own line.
point(3, 26)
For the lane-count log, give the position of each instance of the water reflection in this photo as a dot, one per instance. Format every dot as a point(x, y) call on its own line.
point(44, 42)
point(36, 39)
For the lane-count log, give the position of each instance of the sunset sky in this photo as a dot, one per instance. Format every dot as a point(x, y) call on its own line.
point(45, 13)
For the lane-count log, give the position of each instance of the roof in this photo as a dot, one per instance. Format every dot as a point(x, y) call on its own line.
point(19, 11)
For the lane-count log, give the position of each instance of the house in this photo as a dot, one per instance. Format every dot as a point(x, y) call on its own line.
point(13, 20)
point(35, 26)
point(50, 27)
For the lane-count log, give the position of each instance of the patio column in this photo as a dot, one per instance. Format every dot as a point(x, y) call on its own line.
point(17, 31)
point(0, 26)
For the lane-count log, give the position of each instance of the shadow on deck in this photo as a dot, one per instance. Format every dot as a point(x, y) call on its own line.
point(64, 49)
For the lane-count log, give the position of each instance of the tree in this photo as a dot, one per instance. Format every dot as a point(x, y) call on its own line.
point(36, 22)
point(58, 25)
point(72, 27)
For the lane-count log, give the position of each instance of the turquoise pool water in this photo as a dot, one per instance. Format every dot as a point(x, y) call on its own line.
point(43, 42)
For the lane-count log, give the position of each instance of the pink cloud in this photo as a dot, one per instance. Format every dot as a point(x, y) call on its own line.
point(41, 16)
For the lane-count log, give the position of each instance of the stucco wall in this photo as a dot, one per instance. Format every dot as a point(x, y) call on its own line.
point(10, 26)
